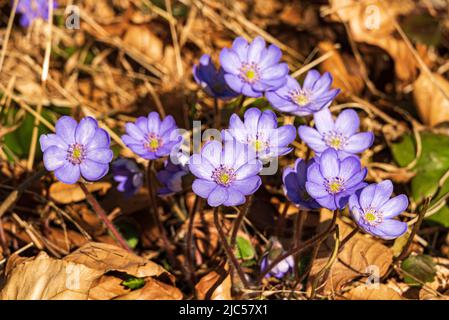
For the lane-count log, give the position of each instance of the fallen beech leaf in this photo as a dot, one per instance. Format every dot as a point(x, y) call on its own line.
point(141, 38)
point(223, 292)
point(69, 193)
point(431, 102)
point(371, 21)
point(94, 271)
point(379, 292)
point(45, 278)
point(360, 256)
point(344, 70)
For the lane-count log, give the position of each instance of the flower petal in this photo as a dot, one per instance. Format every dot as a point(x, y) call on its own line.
point(316, 190)
point(271, 57)
point(142, 124)
point(329, 164)
point(367, 195)
point(203, 188)
point(212, 152)
point(48, 140)
point(101, 155)
point(390, 229)
point(282, 136)
point(323, 121)
point(234, 82)
point(394, 206)
point(359, 142)
point(274, 72)
point(68, 173)
point(54, 158)
point(248, 186)
point(248, 170)
point(101, 139)
point(313, 139)
point(92, 170)
point(168, 124)
point(382, 194)
point(230, 61)
point(347, 122)
point(65, 128)
point(134, 132)
point(154, 123)
point(235, 197)
point(217, 197)
point(267, 122)
point(256, 49)
point(349, 167)
point(200, 167)
point(237, 128)
point(311, 77)
point(240, 46)
point(252, 117)
point(85, 130)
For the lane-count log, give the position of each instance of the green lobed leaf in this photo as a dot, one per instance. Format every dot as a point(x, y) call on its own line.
point(420, 269)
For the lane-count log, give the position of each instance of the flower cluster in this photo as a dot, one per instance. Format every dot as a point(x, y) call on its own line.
point(228, 170)
point(33, 9)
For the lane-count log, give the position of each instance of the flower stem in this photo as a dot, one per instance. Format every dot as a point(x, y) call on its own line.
point(190, 250)
point(240, 105)
point(228, 250)
point(217, 112)
point(238, 221)
point(298, 249)
point(103, 216)
point(153, 200)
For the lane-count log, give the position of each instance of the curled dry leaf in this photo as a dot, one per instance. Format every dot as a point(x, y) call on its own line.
point(431, 98)
point(373, 292)
point(360, 257)
point(344, 69)
point(94, 271)
point(69, 193)
point(372, 22)
point(223, 291)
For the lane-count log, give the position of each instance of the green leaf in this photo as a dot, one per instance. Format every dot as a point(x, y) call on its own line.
point(420, 267)
point(129, 232)
point(133, 283)
point(430, 168)
point(245, 250)
point(423, 28)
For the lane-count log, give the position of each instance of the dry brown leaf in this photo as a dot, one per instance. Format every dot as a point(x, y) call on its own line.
point(359, 255)
point(372, 22)
point(431, 101)
point(223, 292)
point(94, 271)
point(380, 292)
point(45, 278)
point(68, 193)
point(346, 74)
point(141, 38)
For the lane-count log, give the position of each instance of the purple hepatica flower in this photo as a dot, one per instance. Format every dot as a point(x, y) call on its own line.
point(295, 184)
point(283, 267)
point(314, 95)
point(151, 138)
point(340, 135)
point(252, 69)
point(171, 178)
point(32, 10)
point(330, 181)
point(260, 131)
point(128, 175)
point(212, 80)
point(225, 175)
point(77, 149)
point(373, 210)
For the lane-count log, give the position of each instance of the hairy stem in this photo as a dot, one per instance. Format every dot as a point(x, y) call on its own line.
point(103, 216)
point(298, 249)
point(228, 250)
